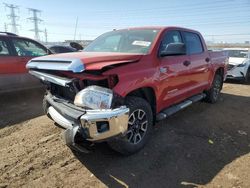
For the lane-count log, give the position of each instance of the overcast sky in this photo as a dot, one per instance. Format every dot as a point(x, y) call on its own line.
point(217, 20)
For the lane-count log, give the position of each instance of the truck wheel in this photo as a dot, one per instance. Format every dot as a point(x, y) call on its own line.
point(139, 127)
point(213, 93)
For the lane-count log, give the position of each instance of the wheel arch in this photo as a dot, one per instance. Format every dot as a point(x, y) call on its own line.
point(220, 71)
point(148, 94)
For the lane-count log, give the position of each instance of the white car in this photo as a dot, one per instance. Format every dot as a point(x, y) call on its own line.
point(239, 64)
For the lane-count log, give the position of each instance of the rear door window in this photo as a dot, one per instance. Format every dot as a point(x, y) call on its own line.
point(4, 50)
point(193, 43)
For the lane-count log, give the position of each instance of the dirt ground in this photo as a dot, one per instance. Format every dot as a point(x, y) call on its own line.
point(202, 146)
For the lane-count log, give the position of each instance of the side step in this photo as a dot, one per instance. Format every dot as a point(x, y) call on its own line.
point(173, 109)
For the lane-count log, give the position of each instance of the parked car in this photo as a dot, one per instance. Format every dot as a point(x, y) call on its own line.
point(73, 47)
point(15, 52)
point(61, 49)
point(125, 81)
point(239, 64)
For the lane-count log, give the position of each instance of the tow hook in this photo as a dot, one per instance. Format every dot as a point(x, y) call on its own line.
point(69, 139)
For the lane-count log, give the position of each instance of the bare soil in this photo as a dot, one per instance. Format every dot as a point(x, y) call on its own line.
point(204, 145)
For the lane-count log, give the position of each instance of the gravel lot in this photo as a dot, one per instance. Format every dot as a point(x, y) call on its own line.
point(202, 146)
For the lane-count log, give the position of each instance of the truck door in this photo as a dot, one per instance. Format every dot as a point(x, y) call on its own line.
point(173, 71)
point(199, 59)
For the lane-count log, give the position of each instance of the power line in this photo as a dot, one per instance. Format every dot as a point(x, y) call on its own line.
point(199, 16)
point(230, 34)
point(184, 5)
point(36, 20)
point(197, 7)
point(13, 17)
point(199, 12)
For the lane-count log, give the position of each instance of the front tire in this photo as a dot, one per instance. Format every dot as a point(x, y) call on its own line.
point(139, 127)
point(213, 94)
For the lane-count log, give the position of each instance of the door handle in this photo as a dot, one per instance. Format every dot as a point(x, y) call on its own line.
point(186, 63)
point(207, 59)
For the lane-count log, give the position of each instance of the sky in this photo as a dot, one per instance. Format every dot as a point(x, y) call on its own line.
point(217, 20)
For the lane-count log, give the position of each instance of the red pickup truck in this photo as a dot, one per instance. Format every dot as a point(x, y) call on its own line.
point(125, 81)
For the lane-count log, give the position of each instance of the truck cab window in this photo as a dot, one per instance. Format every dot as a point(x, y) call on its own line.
point(124, 41)
point(28, 48)
point(170, 37)
point(193, 43)
point(110, 43)
point(4, 48)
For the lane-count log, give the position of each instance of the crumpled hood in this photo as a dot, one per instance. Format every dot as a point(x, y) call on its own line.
point(236, 60)
point(80, 61)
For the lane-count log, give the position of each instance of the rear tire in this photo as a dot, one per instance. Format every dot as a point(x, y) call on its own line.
point(213, 94)
point(139, 127)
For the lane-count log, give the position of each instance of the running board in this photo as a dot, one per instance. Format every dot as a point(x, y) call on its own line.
point(173, 109)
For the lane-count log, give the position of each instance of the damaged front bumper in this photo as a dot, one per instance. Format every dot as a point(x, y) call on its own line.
point(92, 125)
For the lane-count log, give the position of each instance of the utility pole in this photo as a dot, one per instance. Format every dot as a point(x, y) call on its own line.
point(5, 27)
point(76, 27)
point(36, 20)
point(13, 17)
point(46, 36)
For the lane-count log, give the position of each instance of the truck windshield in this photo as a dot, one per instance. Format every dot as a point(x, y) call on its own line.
point(238, 53)
point(124, 41)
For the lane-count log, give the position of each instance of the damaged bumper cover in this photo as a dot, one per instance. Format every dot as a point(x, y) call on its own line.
point(95, 125)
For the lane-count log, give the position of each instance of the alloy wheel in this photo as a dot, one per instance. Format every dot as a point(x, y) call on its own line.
point(137, 126)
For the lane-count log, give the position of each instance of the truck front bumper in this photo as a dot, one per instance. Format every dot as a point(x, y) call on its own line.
point(93, 125)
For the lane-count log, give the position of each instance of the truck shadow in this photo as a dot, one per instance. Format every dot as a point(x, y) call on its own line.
point(20, 106)
point(187, 149)
point(236, 82)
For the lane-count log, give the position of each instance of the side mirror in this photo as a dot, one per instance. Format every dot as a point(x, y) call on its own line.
point(76, 45)
point(174, 49)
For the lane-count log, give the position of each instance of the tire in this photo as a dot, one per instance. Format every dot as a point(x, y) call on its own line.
point(45, 107)
point(213, 94)
point(131, 142)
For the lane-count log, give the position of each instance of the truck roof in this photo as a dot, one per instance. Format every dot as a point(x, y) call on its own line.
point(159, 27)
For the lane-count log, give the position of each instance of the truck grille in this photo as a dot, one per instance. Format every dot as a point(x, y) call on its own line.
point(63, 92)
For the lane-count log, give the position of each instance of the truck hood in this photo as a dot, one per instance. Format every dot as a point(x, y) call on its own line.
point(80, 61)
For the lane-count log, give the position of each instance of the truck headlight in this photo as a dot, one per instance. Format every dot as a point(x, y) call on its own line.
point(94, 97)
point(242, 64)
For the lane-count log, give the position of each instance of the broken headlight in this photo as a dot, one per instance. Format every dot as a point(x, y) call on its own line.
point(94, 97)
